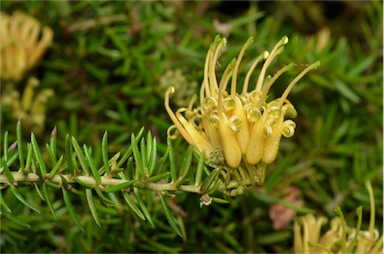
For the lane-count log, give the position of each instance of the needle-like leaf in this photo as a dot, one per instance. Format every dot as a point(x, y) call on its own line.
point(21, 199)
point(80, 156)
point(46, 195)
point(20, 145)
point(104, 153)
point(68, 204)
point(128, 199)
point(36, 150)
point(170, 218)
point(91, 205)
point(137, 155)
point(92, 165)
point(172, 166)
point(14, 219)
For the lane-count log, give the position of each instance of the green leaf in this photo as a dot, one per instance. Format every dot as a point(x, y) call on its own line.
point(46, 195)
point(246, 19)
point(137, 155)
point(143, 206)
point(38, 191)
point(91, 205)
point(143, 151)
point(209, 180)
point(220, 201)
point(55, 167)
point(185, 166)
point(116, 40)
point(361, 66)
point(68, 204)
point(346, 91)
point(152, 157)
point(68, 154)
point(157, 177)
point(52, 185)
point(199, 170)
point(76, 191)
point(20, 145)
point(97, 72)
point(52, 144)
point(14, 219)
point(80, 156)
point(3, 204)
point(104, 153)
point(125, 156)
point(119, 187)
point(170, 218)
point(172, 160)
point(92, 165)
point(111, 53)
point(5, 146)
point(162, 162)
point(148, 146)
point(51, 148)
point(157, 247)
point(130, 168)
point(36, 151)
point(21, 199)
point(128, 199)
point(9, 162)
point(129, 149)
point(7, 172)
point(214, 186)
point(275, 177)
point(51, 155)
point(103, 197)
point(29, 158)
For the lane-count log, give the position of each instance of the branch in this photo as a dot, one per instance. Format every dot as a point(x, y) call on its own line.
point(130, 172)
point(105, 181)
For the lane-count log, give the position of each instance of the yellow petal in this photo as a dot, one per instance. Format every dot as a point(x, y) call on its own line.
point(242, 135)
point(256, 141)
point(231, 149)
point(200, 142)
point(272, 143)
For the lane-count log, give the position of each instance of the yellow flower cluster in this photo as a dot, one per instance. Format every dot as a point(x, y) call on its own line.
point(22, 43)
point(243, 128)
point(339, 238)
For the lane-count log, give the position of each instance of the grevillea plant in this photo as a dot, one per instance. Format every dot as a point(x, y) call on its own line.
point(232, 136)
point(238, 133)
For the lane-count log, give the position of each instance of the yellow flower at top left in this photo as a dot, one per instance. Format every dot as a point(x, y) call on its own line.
point(22, 43)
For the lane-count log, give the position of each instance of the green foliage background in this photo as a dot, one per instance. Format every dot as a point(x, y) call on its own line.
point(106, 77)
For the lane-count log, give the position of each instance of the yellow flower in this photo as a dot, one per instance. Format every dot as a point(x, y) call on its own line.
point(22, 43)
point(339, 238)
point(244, 128)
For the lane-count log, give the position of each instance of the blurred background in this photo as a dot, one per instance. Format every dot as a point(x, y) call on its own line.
point(109, 65)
